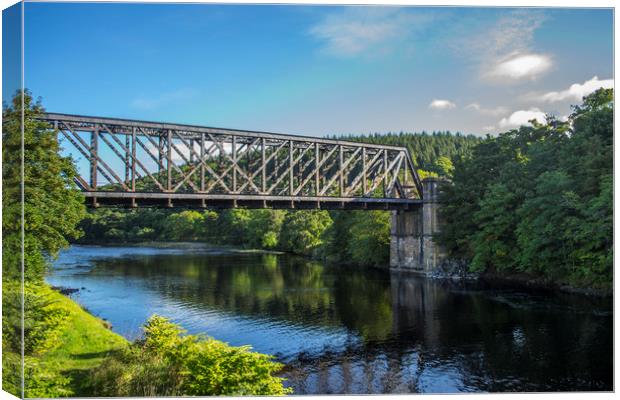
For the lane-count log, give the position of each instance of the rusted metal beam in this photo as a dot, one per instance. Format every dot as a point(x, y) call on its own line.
point(237, 166)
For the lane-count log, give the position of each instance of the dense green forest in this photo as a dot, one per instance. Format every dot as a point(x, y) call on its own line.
point(538, 199)
point(363, 236)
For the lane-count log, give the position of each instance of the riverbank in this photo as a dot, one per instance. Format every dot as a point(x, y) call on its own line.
point(541, 283)
point(84, 342)
point(455, 271)
point(182, 245)
point(459, 271)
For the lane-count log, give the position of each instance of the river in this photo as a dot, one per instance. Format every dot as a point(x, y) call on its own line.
point(352, 330)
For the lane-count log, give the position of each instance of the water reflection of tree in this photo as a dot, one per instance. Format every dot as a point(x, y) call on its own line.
point(491, 340)
point(504, 340)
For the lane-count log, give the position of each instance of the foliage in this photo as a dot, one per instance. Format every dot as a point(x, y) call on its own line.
point(302, 232)
point(370, 238)
point(538, 199)
point(168, 363)
point(185, 225)
point(52, 203)
point(44, 320)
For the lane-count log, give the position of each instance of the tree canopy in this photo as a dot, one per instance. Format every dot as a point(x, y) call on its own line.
point(538, 199)
point(52, 203)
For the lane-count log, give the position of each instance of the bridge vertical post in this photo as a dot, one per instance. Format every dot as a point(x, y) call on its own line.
point(133, 165)
point(133, 159)
point(317, 176)
point(263, 179)
point(385, 167)
point(291, 172)
point(364, 173)
point(341, 172)
point(202, 161)
point(169, 160)
point(234, 159)
point(94, 149)
point(411, 238)
point(127, 159)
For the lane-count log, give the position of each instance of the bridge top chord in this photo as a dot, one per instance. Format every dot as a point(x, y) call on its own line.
point(141, 163)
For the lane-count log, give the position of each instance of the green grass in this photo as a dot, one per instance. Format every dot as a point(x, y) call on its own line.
point(84, 342)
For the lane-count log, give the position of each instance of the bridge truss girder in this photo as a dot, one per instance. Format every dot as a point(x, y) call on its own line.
point(147, 163)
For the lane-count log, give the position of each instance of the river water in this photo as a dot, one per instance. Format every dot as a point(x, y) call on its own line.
point(352, 330)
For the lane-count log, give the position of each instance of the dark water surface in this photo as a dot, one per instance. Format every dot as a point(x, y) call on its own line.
point(353, 330)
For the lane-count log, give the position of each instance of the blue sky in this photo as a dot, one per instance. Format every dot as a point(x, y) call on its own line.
point(316, 70)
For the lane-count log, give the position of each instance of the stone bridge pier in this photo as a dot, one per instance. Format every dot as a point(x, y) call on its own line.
point(411, 242)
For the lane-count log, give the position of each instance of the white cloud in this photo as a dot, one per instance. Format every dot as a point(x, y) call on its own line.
point(438, 104)
point(358, 30)
point(499, 110)
point(504, 51)
point(153, 102)
point(489, 128)
point(520, 66)
point(522, 117)
point(577, 91)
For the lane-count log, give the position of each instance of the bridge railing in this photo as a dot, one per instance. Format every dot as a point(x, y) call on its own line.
point(128, 159)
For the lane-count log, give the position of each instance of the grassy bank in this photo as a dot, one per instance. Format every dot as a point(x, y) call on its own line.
point(83, 343)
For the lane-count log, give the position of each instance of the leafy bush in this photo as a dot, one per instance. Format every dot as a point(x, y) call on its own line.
point(44, 321)
point(168, 363)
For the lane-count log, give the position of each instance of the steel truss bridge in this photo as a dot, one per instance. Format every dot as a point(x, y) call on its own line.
point(138, 163)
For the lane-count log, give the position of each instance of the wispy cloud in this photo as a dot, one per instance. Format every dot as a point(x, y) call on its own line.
point(577, 91)
point(439, 104)
point(522, 117)
point(154, 102)
point(367, 30)
point(499, 110)
point(504, 51)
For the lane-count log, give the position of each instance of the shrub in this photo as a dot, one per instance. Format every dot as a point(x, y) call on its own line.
point(43, 323)
point(169, 363)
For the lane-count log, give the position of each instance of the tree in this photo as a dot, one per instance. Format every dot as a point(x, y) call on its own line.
point(53, 205)
point(538, 199)
point(445, 166)
point(52, 208)
point(369, 241)
point(185, 225)
point(302, 232)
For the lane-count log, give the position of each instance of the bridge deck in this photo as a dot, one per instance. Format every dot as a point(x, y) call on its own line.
point(141, 163)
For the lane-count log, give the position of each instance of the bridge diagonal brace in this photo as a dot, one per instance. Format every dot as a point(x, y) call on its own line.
point(264, 166)
point(340, 171)
point(287, 173)
point(317, 169)
point(384, 174)
point(96, 156)
point(133, 157)
point(235, 164)
point(363, 174)
point(290, 171)
point(84, 153)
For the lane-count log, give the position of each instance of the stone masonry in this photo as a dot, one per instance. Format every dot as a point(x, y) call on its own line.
point(411, 243)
